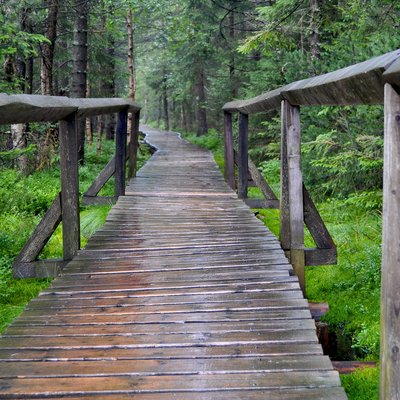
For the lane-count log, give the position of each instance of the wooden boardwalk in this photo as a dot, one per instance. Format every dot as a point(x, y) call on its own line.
point(182, 294)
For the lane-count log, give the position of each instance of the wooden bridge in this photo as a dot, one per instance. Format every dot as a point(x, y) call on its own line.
point(184, 294)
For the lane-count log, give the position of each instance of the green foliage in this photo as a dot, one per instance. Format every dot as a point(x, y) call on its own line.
point(362, 384)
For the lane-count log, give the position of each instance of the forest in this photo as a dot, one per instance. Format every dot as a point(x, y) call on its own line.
point(182, 60)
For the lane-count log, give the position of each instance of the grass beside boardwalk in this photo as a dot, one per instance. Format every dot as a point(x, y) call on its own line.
point(352, 287)
point(24, 200)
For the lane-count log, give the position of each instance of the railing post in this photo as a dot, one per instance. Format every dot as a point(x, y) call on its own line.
point(390, 292)
point(243, 155)
point(69, 186)
point(120, 154)
point(291, 206)
point(133, 145)
point(229, 170)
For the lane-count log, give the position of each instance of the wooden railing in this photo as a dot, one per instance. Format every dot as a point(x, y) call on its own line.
point(65, 207)
point(375, 81)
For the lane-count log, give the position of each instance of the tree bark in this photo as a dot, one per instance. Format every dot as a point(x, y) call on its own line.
point(47, 49)
point(79, 70)
point(131, 66)
point(315, 44)
point(232, 64)
point(202, 126)
point(165, 104)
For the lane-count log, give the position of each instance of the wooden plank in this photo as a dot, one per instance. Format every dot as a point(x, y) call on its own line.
point(243, 155)
point(38, 269)
point(315, 257)
point(228, 147)
point(120, 154)
point(98, 200)
point(69, 186)
point(349, 367)
point(133, 146)
point(41, 234)
point(262, 203)
point(390, 292)
point(168, 383)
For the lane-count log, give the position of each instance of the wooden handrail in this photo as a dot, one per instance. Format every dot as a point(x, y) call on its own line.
point(360, 83)
point(24, 108)
point(36, 108)
point(374, 81)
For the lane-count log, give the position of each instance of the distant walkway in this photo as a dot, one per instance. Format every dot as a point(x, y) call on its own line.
point(182, 294)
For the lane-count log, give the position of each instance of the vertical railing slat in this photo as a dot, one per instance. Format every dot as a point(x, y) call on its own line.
point(229, 170)
point(243, 155)
point(120, 154)
point(69, 186)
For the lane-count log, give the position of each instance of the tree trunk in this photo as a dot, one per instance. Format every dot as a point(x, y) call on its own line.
point(79, 69)
point(201, 112)
point(131, 66)
point(47, 49)
point(315, 44)
point(232, 64)
point(165, 105)
point(89, 121)
point(100, 126)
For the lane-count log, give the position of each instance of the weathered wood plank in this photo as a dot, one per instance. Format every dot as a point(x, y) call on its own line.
point(120, 154)
point(390, 293)
point(69, 186)
point(228, 147)
point(41, 234)
point(243, 155)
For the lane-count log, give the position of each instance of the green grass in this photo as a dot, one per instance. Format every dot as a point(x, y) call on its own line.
point(362, 384)
point(24, 200)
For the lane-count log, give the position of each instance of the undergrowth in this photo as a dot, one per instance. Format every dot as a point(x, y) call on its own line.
point(24, 200)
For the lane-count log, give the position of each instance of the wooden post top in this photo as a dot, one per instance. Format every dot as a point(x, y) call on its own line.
point(23, 108)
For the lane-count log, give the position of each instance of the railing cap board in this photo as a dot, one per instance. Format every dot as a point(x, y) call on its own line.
point(392, 74)
point(360, 83)
point(23, 108)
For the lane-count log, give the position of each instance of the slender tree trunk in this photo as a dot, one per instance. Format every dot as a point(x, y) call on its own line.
point(201, 112)
point(131, 66)
point(79, 69)
point(100, 126)
point(159, 111)
point(165, 104)
point(232, 64)
point(89, 121)
point(315, 44)
point(47, 49)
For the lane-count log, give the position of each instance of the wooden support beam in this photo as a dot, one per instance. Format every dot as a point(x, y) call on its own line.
point(69, 186)
point(107, 172)
point(315, 224)
point(390, 292)
point(38, 269)
point(262, 203)
point(133, 146)
point(292, 220)
point(41, 234)
point(260, 182)
point(120, 154)
point(229, 170)
point(314, 257)
point(243, 155)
